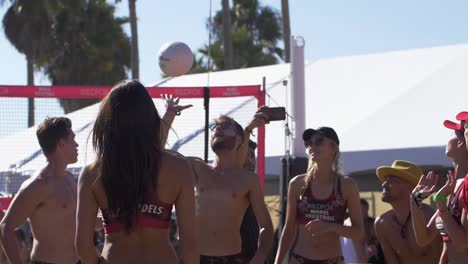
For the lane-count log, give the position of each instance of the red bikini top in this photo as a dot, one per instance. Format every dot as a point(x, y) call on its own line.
point(151, 215)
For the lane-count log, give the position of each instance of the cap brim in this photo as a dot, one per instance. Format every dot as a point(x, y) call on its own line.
point(462, 116)
point(383, 172)
point(308, 133)
point(452, 125)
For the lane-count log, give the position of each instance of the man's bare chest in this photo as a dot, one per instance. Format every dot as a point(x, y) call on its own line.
point(402, 240)
point(62, 198)
point(223, 188)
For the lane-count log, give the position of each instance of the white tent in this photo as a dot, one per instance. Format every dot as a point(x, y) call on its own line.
point(383, 106)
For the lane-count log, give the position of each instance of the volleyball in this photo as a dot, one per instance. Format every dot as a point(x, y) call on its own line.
point(175, 59)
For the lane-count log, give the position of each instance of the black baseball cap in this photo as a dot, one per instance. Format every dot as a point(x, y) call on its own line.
point(327, 132)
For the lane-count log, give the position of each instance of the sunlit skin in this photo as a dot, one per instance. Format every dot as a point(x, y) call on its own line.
point(455, 246)
point(48, 201)
point(317, 239)
point(227, 188)
point(394, 228)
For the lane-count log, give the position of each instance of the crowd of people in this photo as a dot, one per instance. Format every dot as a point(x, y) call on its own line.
point(131, 188)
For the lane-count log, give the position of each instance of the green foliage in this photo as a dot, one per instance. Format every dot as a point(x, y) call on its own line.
point(75, 42)
point(256, 31)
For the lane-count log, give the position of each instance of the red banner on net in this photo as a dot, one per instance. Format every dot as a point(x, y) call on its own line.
point(99, 92)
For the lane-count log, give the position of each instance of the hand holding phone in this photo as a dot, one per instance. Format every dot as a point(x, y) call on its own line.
point(276, 113)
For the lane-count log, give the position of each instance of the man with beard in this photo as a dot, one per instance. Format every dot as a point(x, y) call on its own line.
point(393, 228)
point(223, 192)
point(47, 200)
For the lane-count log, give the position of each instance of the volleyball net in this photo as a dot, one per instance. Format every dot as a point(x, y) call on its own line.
point(20, 153)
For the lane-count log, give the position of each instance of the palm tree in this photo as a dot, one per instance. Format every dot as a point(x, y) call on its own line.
point(88, 47)
point(227, 39)
point(286, 29)
point(255, 34)
point(27, 25)
point(135, 60)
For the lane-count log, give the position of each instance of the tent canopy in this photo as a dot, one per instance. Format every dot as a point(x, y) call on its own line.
point(383, 106)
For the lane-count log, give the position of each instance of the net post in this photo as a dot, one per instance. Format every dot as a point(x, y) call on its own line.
point(261, 138)
point(206, 104)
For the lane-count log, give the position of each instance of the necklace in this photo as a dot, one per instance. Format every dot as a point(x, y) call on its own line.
point(403, 226)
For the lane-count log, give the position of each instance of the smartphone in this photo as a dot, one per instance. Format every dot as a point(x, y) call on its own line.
point(277, 113)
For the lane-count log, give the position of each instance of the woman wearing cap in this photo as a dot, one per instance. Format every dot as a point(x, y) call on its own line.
point(450, 220)
point(317, 202)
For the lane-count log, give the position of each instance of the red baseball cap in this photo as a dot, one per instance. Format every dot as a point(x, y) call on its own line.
point(458, 127)
point(462, 116)
point(452, 125)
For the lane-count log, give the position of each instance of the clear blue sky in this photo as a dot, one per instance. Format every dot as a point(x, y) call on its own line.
point(331, 28)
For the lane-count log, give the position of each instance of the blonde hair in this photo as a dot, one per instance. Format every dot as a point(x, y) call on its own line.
point(336, 165)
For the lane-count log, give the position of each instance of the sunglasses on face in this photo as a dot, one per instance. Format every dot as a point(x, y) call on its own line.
point(318, 141)
point(223, 126)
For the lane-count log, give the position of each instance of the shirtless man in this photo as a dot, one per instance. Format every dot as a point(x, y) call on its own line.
point(47, 200)
point(224, 190)
point(223, 193)
point(393, 228)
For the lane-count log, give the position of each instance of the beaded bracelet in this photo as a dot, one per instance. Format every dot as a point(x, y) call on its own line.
point(417, 198)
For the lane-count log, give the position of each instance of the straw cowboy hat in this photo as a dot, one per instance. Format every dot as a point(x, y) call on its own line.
point(405, 170)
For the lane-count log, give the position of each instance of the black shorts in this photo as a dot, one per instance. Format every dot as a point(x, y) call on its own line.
point(231, 259)
point(335, 260)
point(43, 262)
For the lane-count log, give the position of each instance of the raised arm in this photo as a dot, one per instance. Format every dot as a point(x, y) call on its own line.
point(424, 230)
point(290, 227)
point(86, 212)
point(265, 238)
point(457, 233)
point(260, 118)
point(172, 109)
point(29, 197)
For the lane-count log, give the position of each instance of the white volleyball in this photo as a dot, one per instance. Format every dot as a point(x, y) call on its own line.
point(175, 59)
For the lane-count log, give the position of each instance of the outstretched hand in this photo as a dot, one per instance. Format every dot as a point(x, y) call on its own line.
point(449, 186)
point(426, 185)
point(259, 119)
point(172, 104)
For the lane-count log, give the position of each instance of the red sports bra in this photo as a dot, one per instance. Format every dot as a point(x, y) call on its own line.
point(152, 215)
point(331, 209)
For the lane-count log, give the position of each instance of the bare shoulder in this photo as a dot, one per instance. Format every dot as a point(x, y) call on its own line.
point(382, 221)
point(348, 186)
point(195, 162)
point(38, 186)
point(348, 182)
point(175, 164)
point(297, 183)
point(247, 175)
point(88, 175)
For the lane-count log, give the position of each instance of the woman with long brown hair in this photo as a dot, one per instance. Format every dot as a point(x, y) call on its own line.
point(134, 182)
point(317, 202)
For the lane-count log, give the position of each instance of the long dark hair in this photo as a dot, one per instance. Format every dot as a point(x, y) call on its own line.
point(127, 140)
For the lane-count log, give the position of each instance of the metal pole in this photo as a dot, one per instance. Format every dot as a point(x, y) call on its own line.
point(284, 181)
point(206, 104)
